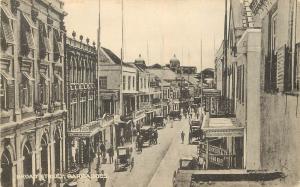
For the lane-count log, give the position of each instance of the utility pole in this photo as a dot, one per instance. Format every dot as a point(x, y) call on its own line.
point(225, 60)
point(122, 59)
point(148, 60)
point(98, 62)
point(201, 78)
point(98, 87)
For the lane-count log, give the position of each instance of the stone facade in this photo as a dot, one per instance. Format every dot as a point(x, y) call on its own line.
point(32, 98)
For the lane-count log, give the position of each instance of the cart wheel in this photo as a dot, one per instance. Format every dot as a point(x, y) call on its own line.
point(116, 165)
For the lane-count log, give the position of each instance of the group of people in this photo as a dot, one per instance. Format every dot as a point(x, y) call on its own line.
point(152, 138)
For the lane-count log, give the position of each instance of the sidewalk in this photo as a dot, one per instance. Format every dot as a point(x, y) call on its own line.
point(107, 168)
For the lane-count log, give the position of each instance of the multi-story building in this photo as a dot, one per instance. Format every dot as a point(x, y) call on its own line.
point(261, 82)
point(31, 90)
point(149, 92)
point(85, 128)
point(170, 88)
point(277, 129)
point(110, 70)
point(233, 132)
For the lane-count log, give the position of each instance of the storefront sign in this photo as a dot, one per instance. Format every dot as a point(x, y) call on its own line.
point(232, 132)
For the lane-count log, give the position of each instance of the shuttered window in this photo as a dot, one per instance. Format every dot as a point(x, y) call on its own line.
point(26, 90)
point(57, 44)
point(6, 25)
point(27, 26)
point(57, 88)
point(44, 41)
point(44, 88)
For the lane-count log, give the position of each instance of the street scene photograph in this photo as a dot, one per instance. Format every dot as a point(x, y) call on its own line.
point(150, 93)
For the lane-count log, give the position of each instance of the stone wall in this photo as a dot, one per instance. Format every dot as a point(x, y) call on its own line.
point(280, 134)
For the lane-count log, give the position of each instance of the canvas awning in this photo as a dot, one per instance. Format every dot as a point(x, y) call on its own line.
point(27, 76)
point(222, 127)
point(85, 131)
point(6, 75)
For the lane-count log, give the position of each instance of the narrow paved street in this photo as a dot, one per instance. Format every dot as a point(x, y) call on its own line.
point(155, 165)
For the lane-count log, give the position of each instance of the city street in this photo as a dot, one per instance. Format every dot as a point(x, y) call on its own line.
point(155, 165)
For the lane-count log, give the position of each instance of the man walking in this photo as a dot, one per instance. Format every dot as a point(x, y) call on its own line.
point(102, 179)
point(182, 137)
point(111, 154)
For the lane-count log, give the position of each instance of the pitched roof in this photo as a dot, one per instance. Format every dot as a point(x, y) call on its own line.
point(190, 78)
point(112, 56)
point(163, 74)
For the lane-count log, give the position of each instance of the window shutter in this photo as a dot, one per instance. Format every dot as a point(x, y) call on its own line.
point(11, 96)
point(280, 74)
point(287, 70)
point(21, 95)
point(274, 71)
point(47, 88)
point(30, 91)
point(39, 93)
point(7, 32)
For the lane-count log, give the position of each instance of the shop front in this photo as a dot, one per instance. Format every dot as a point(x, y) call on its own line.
point(82, 145)
point(123, 131)
point(223, 143)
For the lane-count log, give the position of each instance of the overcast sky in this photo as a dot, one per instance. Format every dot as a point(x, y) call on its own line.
point(168, 26)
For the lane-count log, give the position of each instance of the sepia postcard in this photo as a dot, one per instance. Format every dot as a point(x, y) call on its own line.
point(150, 93)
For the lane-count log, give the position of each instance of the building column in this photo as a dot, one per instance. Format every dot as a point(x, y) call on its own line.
point(51, 160)
point(135, 103)
point(35, 165)
point(207, 154)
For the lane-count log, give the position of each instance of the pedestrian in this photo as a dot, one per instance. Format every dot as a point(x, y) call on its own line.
point(103, 149)
point(182, 137)
point(102, 179)
point(204, 164)
point(111, 154)
point(122, 140)
point(156, 136)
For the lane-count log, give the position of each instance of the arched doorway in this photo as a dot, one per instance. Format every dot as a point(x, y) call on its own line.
point(27, 164)
point(6, 166)
point(57, 151)
point(44, 156)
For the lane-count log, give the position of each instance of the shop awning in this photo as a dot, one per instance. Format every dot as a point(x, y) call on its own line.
point(44, 76)
point(222, 127)
point(27, 76)
point(139, 117)
point(58, 77)
point(6, 75)
point(85, 131)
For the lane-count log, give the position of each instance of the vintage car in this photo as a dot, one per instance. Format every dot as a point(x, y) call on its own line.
point(183, 175)
point(124, 158)
point(159, 122)
point(195, 130)
point(146, 134)
point(175, 114)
